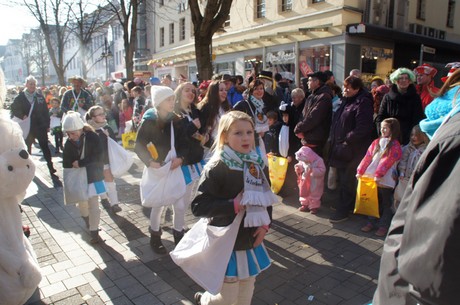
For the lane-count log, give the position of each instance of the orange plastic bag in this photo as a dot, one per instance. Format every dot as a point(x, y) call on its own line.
point(277, 168)
point(367, 202)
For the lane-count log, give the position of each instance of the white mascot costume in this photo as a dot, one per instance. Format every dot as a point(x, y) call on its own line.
point(19, 269)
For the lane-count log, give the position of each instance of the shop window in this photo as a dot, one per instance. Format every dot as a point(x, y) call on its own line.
point(450, 13)
point(171, 33)
point(375, 62)
point(421, 5)
point(182, 29)
point(314, 59)
point(286, 5)
point(162, 37)
point(260, 8)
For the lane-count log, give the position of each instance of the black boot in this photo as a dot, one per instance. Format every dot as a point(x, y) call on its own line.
point(178, 236)
point(95, 238)
point(51, 168)
point(155, 242)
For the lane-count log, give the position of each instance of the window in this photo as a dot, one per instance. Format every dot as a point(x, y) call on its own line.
point(171, 33)
point(182, 6)
point(182, 29)
point(260, 9)
point(162, 37)
point(286, 5)
point(316, 1)
point(450, 13)
point(421, 9)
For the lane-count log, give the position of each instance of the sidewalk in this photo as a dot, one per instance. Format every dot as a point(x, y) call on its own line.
point(314, 262)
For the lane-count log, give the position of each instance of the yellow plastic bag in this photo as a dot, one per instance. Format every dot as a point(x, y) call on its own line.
point(367, 202)
point(128, 140)
point(277, 168)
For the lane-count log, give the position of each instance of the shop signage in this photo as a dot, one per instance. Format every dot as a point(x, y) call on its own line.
point(281, 57)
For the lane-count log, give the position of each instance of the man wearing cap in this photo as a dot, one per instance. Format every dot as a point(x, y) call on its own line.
point(317, 113)
point(76, 99)
point(31, 104)
point(425, 84)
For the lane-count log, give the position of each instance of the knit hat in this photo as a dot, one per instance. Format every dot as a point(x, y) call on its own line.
point(72, 121)
point(397, 74)
point(426, 69)
point(159, 94)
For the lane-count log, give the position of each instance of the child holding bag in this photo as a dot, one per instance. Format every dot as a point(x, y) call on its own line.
point(380, 163)
point(95, 117)
point(233, 182)
point(83, 149)
point(310, 176)
point(410, 156)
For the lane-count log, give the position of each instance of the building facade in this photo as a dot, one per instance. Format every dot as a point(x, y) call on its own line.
point(297, 37)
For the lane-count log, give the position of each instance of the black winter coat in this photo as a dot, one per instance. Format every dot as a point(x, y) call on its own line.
point(104, 142)
point(93, 158)
point(217, 188)
point(193, 151)
point(316, 117)
point(295, 116)
point(39, 119)
point(154, 129)
point(352, 129)
point(406, 108)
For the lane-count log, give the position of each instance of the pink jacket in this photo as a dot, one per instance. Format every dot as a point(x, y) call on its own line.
point(386, 162)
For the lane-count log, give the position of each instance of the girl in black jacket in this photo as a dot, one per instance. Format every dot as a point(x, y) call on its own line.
point(83, 149)
point(96, 118)
point(233, 183)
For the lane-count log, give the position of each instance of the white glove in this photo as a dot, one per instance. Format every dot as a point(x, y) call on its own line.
point(283, 107)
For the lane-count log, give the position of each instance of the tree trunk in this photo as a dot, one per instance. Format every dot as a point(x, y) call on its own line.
point(203, 51)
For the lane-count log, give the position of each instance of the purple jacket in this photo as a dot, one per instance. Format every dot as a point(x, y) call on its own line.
point(352, 129)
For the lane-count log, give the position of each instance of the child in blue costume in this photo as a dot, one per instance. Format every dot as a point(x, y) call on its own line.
point(233, 181)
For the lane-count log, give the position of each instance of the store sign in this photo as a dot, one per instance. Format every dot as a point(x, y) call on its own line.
point(281, 57)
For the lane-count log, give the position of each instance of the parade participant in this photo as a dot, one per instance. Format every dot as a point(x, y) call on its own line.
point(96, 118)
point(30, 105)
point(83, 148)
point(76, 99)
point(402, 103)
point(223, 193)
point(155, 129)
point(380, 164)
point(271, 101)
point(425, 83)
point(56, 113)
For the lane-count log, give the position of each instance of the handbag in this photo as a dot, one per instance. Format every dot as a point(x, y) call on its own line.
point(120, 160)
point(75, 185)
point(204, 252)
point(367, 202)
point(277, 168)
point(24, 123)
point(162, 186)
point(283, 139)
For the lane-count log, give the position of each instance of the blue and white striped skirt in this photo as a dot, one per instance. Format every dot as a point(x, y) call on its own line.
point(246, 263)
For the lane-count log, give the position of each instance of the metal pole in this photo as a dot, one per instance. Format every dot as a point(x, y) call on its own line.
point(420, 61)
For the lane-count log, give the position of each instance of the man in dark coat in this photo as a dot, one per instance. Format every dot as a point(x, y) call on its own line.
point(30, 102)
point(317, 114)
point(77, 99)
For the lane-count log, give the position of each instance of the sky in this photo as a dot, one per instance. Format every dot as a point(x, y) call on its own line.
point(14, 21)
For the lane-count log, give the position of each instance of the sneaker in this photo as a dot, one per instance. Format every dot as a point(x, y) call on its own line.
point(197, 298)
point(367, 228)
point(313, 211)
point(304, 208)
point(381, 232)
point(116, 208)
point(337, 217)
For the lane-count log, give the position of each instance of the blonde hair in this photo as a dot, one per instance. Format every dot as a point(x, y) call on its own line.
point(225, 123)
point(418, 132)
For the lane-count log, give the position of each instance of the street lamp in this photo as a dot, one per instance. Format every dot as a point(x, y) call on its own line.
point(106, 54)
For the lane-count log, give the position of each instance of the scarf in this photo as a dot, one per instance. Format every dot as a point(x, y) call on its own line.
point(30, 96)
point(260, 119)
point(257, 195)
point(95, 125)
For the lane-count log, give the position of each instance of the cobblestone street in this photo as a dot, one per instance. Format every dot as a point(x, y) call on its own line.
point(314, 262)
